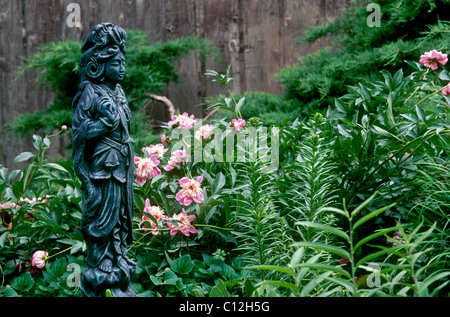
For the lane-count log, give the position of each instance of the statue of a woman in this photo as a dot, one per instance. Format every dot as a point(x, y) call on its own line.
point(103, 161)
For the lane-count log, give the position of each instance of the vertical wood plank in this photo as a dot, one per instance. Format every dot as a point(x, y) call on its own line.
point(258, 37)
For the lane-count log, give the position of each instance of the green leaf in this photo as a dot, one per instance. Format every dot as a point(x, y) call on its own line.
point(336, 210)
point(47, 142)
point(155, 280)
point(37, 142)
point(344, 132)
point(226, 271)
point(273, 268)
point(325, 247)
point(390, 115)
point(26, 175)
point(326, 228)
point(13, 175)
point(57, 268)
point(423, 286)
point(374, 255)
point(327, 267)
point(297, 256)
point(170, 277)
point(421, 114)
point(220, 290)
point(280, 284)
point(308, 288)
point(347, 284)
point(385, 133)
point(108, 293)
point(239, 104)
point(23, 157)
point(212, 73)
point(23, 283)
point(444, 75)
point(363, 205)
point(370, 216)
point(10, 292)
point(76, 244)
point(220, 182)
point(182, 265)
point(3, 238)
point(56, 167)
point(374, 235)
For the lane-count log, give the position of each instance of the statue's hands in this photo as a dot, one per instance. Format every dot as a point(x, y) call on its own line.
point(107, 111)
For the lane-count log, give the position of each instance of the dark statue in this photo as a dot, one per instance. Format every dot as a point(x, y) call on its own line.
point(103, 161)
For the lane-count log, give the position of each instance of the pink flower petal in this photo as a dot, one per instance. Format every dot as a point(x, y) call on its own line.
point(184, 181)
point(141, 181)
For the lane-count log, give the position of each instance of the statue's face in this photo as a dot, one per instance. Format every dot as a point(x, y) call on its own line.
point(115, 69)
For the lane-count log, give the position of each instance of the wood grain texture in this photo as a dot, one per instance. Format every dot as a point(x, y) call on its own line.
point(258, 37)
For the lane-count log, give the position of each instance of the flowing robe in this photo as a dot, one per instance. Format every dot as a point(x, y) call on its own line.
point(103, 161)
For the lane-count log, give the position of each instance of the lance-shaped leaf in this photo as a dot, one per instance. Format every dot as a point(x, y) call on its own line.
point(273, 268)
point(325, 228)
point(370, 216)
point(324, 247)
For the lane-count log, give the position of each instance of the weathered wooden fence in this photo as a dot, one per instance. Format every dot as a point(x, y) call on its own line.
point(258, 37)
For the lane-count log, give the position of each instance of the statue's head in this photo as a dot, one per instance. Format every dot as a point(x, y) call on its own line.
point(103, 54)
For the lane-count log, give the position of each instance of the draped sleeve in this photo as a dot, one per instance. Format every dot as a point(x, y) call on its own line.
point(88, 123)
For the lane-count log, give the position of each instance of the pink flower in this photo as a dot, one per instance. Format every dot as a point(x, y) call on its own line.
point(155, 149)
point(237, 124)
point(7, 205)
point(154, 226)
point(190, 191)
point(183, 121)
point(446, 90)
point(27, 200)
point(164, 140)
point(146, 168)
point(39, 258)
point(64, 127)
point(432, 58)
point(205, 132)
point(184, 224)
point(178, 157)
point(156, 212)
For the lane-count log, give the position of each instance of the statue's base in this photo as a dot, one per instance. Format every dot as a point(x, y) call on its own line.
point(95, 282)
point(115, 292)
point(129, 292)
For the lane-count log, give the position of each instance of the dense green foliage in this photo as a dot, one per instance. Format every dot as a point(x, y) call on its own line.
point(407, 29)
point(358, 204)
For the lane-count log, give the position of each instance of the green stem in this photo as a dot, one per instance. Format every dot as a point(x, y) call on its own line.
point(235, 103)
point(40, 159)
point(53, 255)
point(150, 231)
point(352, 260)
point(215, 227)
point(414, 92)
point(417, 88)
point(439, 90)
point(187, 146)
point(52, 135)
